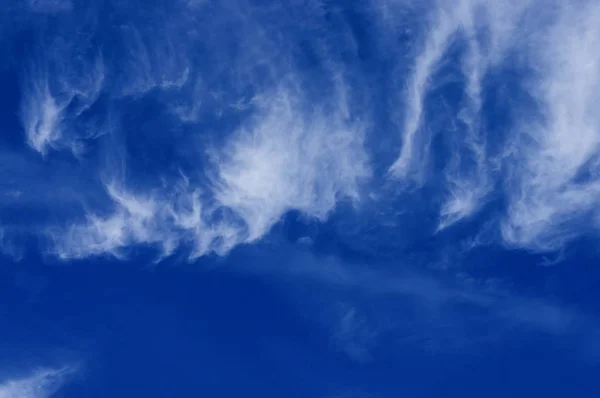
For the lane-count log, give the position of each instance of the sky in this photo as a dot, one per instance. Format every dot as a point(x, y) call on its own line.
point(299, 198)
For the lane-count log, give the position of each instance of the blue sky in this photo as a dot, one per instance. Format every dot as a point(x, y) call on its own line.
point(299, 198)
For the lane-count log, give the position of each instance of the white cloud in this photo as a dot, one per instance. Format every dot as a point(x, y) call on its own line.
point(556, 173)
point(548, 163)
point(293, 150)
point(466, 190)
point(135, 220)
point(42, 117)
point(296, 149)
point(288, 156)
point(54, 95)
point(442, 26)
point(43, 383)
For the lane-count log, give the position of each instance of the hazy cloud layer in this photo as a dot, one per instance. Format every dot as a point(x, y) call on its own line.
point(376, 312)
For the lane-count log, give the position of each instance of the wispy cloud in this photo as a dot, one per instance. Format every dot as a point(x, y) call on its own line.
point(441, 26)
point(556, 172)
point(54, 96)
point(42, 383)
point(251, 112)
point(152, 61)
point(285, 127)
point(288, 156)
point(550, 177)
point(467, 182)
point(364, 306)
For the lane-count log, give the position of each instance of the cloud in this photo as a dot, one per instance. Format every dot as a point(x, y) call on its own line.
point(547, 161)
point(43, 383)
point(133, 221)
point(151, 61)
point(467, 182)
point(289, 158)
point(286, 126)
point(556, 185)
point(257, 109)
point(42, 118)
point(443, 26)
point(54, 95)
point(286, 157)
point(371, 310)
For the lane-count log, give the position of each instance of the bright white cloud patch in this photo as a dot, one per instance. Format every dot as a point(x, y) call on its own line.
point(557, 171)
point(133, 221)
point(43, 383)
point(289, 156)
point(550, 155)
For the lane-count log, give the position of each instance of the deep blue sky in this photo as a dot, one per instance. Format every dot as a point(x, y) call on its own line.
point(299, 198)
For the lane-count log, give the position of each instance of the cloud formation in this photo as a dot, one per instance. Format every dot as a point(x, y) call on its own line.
point(284, 158)
point(55, 94)
point(482, 107)
point(557, 170)
point(544, 162)
point(43, 383)
point(373, 311)
point(399, 128)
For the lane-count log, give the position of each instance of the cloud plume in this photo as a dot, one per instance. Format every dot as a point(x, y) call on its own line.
point(43, 383)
